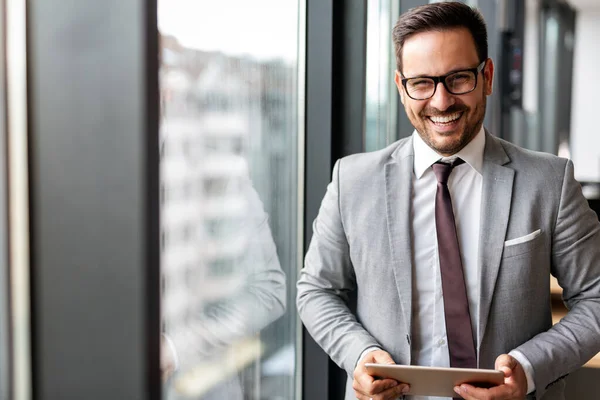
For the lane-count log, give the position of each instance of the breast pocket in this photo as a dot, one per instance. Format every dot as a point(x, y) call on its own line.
point(522, 244)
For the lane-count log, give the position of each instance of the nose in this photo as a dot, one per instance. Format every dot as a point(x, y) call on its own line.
point(441, 99)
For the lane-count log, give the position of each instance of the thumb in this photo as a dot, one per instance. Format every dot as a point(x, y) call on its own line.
point(506, 364)
point(382, 357)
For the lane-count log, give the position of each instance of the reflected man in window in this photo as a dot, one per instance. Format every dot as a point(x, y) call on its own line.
point(449, 237)
point(237, 291)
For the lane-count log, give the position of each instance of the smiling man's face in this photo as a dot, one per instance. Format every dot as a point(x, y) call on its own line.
point(446, 122)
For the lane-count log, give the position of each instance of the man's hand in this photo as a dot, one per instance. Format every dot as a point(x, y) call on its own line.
point(167, 363)
point(367, 387)
point(514, 387)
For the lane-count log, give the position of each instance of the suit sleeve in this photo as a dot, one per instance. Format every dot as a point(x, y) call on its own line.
point(326, 280)
point(576, 264)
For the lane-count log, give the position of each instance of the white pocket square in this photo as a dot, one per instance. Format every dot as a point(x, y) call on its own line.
point(523, 239)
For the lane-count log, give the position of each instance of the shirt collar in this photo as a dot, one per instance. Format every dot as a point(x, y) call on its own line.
point(425, 156)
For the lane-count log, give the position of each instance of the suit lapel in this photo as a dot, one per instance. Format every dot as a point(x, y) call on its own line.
point(495, 210)
point(398, 188)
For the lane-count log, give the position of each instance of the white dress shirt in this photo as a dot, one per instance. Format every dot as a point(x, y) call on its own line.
point(429, 344)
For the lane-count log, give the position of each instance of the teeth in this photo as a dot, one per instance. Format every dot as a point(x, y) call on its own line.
point(446, 119)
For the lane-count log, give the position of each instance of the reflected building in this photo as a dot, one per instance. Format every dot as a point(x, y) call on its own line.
point(226, 122)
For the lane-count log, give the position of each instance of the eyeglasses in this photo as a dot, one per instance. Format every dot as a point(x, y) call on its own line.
point(459, 82)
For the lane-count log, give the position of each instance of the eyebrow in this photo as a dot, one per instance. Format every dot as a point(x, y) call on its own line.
point(447, 73)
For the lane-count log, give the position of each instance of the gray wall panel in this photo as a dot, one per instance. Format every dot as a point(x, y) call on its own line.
point(93, 134)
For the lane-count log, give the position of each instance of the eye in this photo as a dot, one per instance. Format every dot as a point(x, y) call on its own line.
point(459, 78)
point(420, 83)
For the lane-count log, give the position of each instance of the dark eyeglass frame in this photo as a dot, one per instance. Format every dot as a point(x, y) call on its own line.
point(442, 79)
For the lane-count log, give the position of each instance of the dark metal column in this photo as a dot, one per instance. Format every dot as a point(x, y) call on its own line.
point(318, 161)
point(93, 114)
point(335, 102)
point(349, 76)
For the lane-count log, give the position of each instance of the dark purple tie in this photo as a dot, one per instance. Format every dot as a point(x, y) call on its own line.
point(456, 306)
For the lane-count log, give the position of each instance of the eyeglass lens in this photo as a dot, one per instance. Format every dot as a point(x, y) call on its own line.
point(457, 83)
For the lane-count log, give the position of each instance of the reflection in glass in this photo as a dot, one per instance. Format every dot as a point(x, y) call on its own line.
point(382, 98)
point(229, 197)
point(550, 77)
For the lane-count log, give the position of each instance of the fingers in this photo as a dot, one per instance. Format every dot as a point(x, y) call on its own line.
point(366, 384)
point(367, 387)
point(362, 377)
point(502, 392)
point(393, 391)
point(469, 392)
point(514, 386)
point(383, 385)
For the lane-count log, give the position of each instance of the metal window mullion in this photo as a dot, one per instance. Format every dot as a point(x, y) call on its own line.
point(335, 124)
point(18, 198)
point(318, 162)
point(301, 185)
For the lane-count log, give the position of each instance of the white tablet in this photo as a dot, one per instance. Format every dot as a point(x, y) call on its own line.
point(436, 381)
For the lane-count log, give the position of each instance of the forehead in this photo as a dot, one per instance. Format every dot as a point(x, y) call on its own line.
point(438, 52)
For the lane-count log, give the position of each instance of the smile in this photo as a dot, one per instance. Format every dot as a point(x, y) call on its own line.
point(445, 120)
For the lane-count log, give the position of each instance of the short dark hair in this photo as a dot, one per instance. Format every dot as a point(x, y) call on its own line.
point(440, 17)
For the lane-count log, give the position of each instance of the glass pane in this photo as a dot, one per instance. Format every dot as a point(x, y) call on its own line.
point(382, 95)
point(550, 66)
point(229, 195)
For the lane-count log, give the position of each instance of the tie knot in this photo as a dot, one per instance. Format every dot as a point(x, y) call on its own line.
point(442, 170)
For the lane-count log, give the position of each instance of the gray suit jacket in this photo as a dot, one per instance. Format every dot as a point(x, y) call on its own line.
point(362, 241)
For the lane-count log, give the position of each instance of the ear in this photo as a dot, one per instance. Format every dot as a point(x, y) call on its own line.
point(398, 80)
point(488, 73)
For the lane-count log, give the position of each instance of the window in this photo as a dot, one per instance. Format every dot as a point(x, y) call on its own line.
point(381, 112)
point(229, 95)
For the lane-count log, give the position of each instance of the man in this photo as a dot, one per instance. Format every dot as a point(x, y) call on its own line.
point(476, 294)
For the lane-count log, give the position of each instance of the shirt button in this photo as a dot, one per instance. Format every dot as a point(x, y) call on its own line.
point(441, 342)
